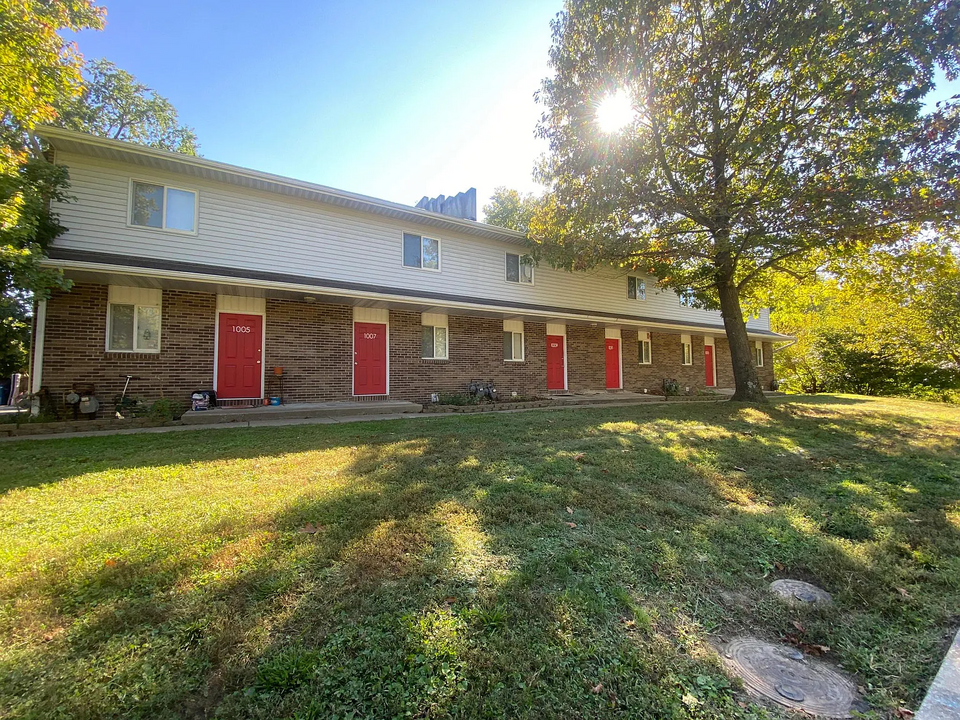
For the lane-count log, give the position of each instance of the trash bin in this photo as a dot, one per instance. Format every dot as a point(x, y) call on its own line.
point(203, 399)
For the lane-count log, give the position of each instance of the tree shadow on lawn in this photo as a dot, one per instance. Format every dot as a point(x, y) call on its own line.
point(445, 581)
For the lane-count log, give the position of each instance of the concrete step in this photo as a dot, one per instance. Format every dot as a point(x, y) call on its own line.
point(296, 411)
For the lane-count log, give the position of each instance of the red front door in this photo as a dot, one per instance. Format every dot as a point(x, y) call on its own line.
point(369, 359)
point(708, 362)
point(613, 364)
point(556, 375)
point(239, 351)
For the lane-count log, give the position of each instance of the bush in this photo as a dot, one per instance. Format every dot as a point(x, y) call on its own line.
point(165, 410)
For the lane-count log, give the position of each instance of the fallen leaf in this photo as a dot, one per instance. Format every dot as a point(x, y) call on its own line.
point(903, 592)
point(596, 689)
point(569, 510)
point(739, 469)
point(605, 471)
point(819, 649)
point(110, 562)
point(570, 524)
point(904, 713)
point(778, 566)
point(309, 529)
point(798, 625)
point(450, 600)
point(579, 457)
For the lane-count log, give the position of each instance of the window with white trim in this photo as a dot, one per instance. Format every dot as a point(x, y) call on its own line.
point(645, 349)
point(133, 319)
point(636, 288)
point(687, 297)
point(434, 345)
point(687, 346)
point(513, 340)
point(162, 207)
point(519, 269)
point(758, 353)
point(421, 252)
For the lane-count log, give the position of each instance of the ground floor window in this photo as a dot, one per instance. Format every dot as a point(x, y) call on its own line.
point(133, 320)
point(687, 348)
point(513, 340)
point(645, 349)
point(758, 354)
point(434, 343)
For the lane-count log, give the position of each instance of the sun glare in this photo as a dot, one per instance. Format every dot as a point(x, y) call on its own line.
point(615, 112)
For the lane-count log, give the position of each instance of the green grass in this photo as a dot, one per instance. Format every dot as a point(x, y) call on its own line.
point(156, 576)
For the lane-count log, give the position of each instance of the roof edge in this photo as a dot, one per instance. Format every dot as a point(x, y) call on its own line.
point(52, 134)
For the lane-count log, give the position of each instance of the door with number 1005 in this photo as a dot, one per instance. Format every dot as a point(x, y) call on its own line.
point(239, 356)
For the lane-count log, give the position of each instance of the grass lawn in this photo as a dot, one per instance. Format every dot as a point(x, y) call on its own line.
point(563, 564)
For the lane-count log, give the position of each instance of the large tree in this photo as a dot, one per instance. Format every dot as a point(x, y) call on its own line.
point(39, 72)
point(755, 133)
point(509, 208)
point(116, 105)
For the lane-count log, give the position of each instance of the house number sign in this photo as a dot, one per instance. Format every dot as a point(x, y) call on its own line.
point(370, 336)
point(241, 328)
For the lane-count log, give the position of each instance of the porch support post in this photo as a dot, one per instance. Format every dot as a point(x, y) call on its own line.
point(36, 374)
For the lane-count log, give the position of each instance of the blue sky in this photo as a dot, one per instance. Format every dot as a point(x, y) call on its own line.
point(391, 99)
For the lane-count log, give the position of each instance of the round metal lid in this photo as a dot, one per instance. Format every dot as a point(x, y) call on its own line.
point(788, 678)
point(798, 591)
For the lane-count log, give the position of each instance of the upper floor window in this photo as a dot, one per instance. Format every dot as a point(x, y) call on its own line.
point(636, 288)
point(133, 319)
point(421, 252)
point(519, 269)
point(162, 207)
point(687, 297)
point(758, 353)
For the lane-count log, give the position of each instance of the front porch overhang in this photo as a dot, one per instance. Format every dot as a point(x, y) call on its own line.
point(82, 266)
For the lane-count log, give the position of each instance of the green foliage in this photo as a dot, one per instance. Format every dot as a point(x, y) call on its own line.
point(762, 132)
point(883, 323)
point(14, 335)
point(115, 105)
point(165, 409)
point(510, 209)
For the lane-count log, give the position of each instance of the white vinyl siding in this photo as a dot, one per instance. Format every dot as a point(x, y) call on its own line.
point(260, 231)
point(162, 207)
point(133, 319)
point(513, 341)
point(686, 350)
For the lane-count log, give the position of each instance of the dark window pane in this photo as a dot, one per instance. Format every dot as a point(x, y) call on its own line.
point(427, 346)
point(507, 345)
point(632, 288)
point(513, 268)
point(411, 250)
point(147, 205)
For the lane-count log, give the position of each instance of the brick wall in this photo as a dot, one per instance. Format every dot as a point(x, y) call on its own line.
point(313, 342)
point(75, 338)
point(475, 352)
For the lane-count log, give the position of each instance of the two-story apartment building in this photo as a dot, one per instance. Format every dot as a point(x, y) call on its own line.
point(193, 274)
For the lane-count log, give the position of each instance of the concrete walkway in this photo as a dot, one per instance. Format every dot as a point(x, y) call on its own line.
point(326, 420)
point(943, 698)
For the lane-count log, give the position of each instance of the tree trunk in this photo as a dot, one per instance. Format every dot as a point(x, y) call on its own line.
point(745, 377)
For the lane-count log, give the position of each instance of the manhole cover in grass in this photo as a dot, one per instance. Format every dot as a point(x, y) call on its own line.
point(789, 678)
point(798, 591)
